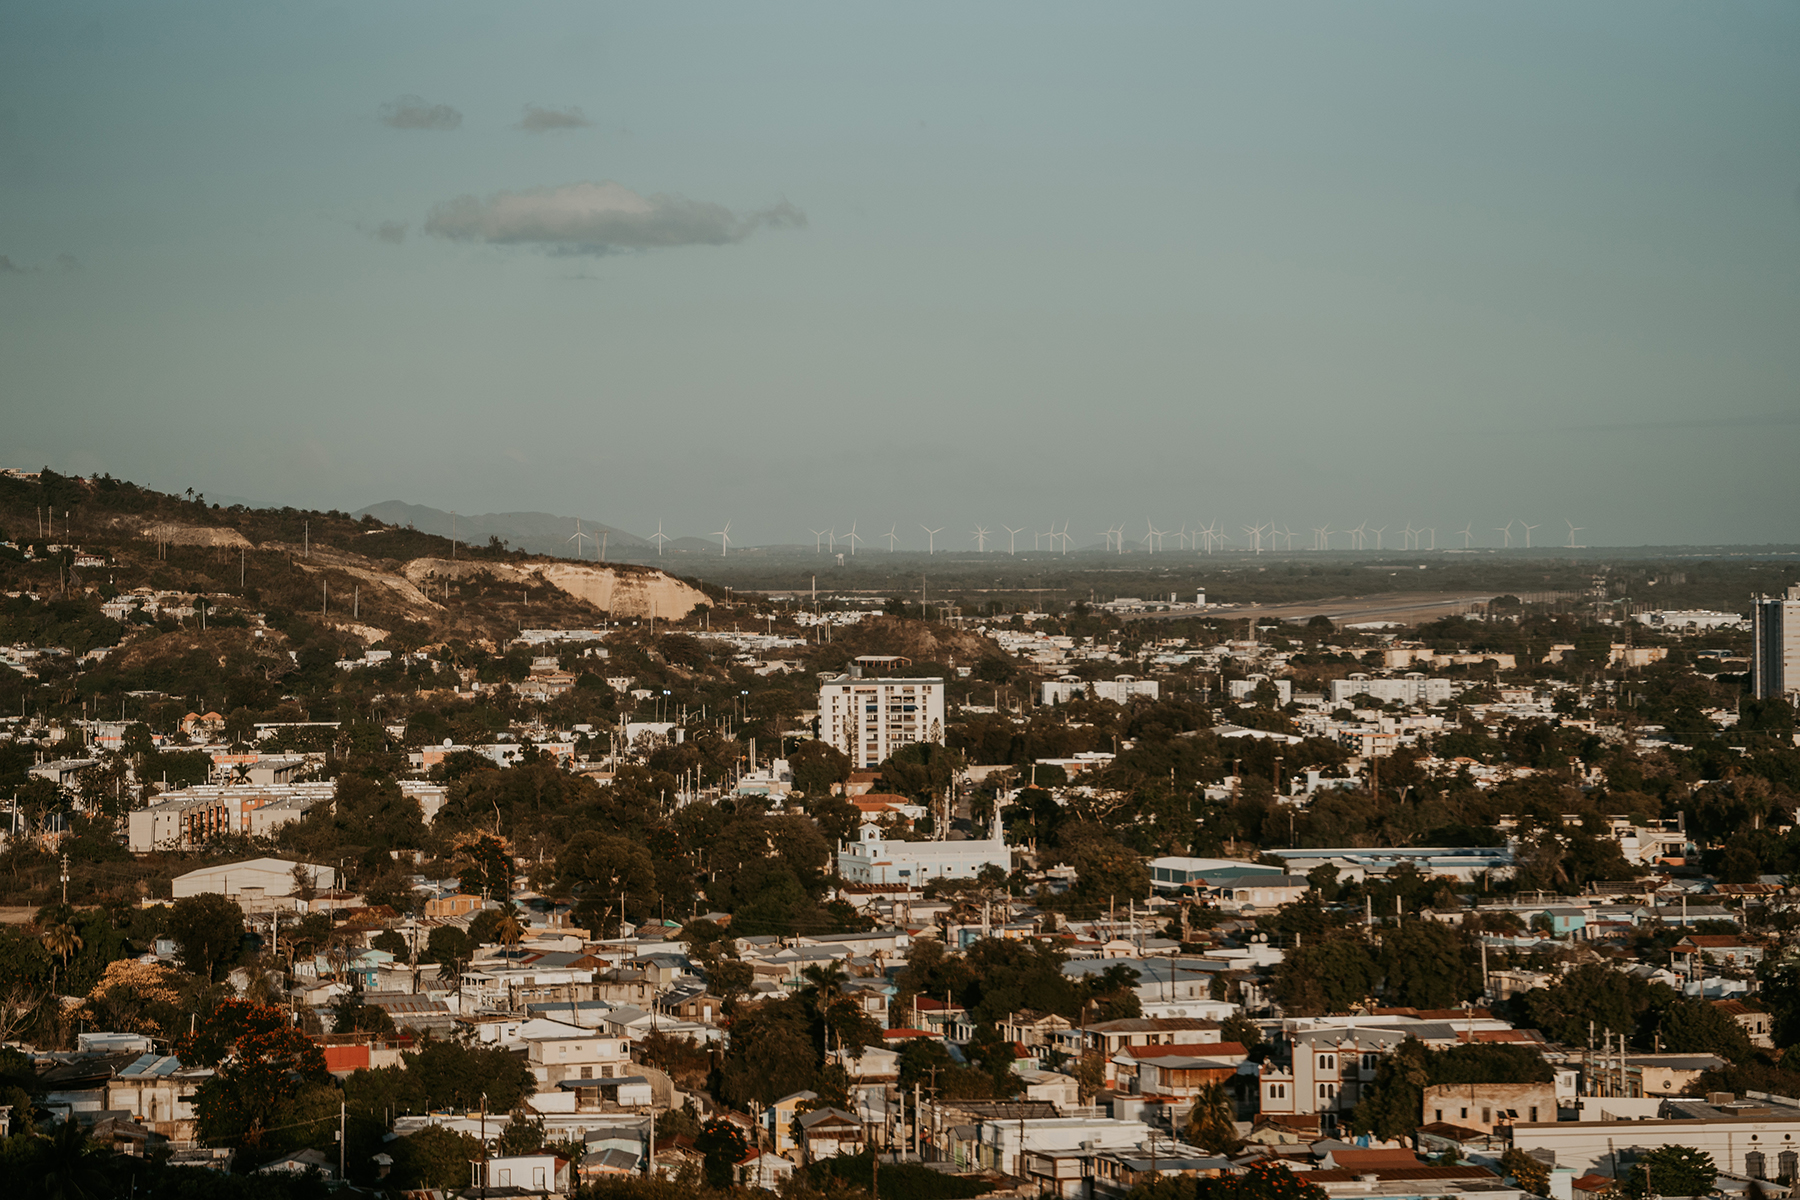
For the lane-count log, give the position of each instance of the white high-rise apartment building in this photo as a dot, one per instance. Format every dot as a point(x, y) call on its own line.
point(1775, 663)
point(869, 719)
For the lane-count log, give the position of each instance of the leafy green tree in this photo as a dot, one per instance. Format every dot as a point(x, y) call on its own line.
point(522, 1135)
point(268, 1062)
point(209, 933)
point(1428, 965)
point(1527, 1172)
point(1390, 1106)
point(435, 1157)
point(817, 766)
point(487, 868)
point(1329, 974)
point(446, 945)
point(771, 1055)
point(1612, 1000)
point(1781, 995)
point(1692, 1026)
point(724, 1146)
point(1672, 1171)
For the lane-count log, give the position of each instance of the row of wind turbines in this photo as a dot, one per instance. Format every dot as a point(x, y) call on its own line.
point(1205, 539)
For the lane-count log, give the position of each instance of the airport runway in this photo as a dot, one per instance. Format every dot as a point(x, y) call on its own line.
point(1406, 608)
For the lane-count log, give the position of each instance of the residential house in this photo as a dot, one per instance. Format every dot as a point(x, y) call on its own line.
point(778, 1120)
point(1325, 1070)
point(158, 1092)
point(1697, 950)
point(532, 1174)
point(1181, 1071)
point(1485, 1107)
point(828, 1132)
point(580, 1055)
point(1753, 1021)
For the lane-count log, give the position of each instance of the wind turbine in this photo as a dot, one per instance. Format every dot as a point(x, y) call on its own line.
point(1359, 537)
point(1322, 537)
point(1410, 534)
point(659, 539)
point(1378, 533)
point(1287, 536)
point(724, 536)
point(890, 535)
point(818, 539)
point(1066, 539)
point(1505, 531)
point(980, 535)
point(1573, 530)
point(1433, 532)
point(931, 538)
point(1528, 529)
point(852, 539)
point(1468, 534)
point(1012, 538)
point(1116, 533)
point(578, 537)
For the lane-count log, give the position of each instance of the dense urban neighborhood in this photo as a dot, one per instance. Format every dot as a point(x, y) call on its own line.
point(340, 856)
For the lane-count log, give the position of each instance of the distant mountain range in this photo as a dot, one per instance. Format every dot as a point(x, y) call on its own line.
point(535, 532)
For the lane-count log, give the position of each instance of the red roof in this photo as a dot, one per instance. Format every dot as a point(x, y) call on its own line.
point(1370, 1160)
point(927, 1004)
point(1189, 1050)
point(1398, 1174)
point(1712, 941)
point(902, 1034)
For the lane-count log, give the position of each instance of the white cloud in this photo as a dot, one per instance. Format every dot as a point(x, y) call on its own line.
point(596, 218)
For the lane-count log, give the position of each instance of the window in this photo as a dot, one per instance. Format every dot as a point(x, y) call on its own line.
point(1789, 1164)
point(606, 1073)
point(1487, 1116)
point(1369, 1061)
point(587, 1072)
point(1755, 1165)
point(1533, 1117)
point(1465, 1114)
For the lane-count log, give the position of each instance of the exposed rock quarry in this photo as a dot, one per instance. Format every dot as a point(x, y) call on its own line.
point(620, 591)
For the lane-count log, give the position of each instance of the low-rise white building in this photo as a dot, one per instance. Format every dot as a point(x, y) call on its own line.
point(1412, 688)
point(1119, 689)
point(873, 859)
point(252, 879)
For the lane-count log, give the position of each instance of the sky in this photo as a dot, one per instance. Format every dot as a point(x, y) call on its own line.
point(801, 265)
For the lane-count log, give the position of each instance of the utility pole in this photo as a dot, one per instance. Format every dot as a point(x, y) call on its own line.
point(65, 879)
point(341, 1127)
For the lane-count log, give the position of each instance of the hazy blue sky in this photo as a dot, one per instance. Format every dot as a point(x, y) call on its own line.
point(800, 265)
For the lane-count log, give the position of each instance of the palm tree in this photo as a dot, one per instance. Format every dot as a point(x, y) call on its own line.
point(509, 927)
point(61, 940)
point(1212, 1123)
point(75, 1165)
